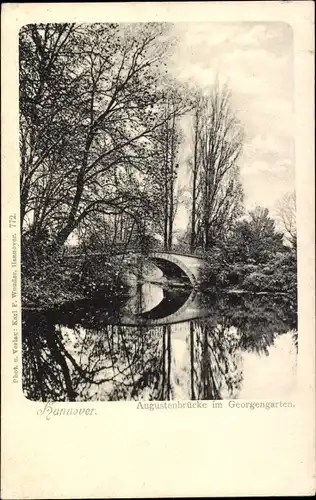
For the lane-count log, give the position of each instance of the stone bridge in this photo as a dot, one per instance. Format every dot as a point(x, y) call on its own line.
point(184, 267)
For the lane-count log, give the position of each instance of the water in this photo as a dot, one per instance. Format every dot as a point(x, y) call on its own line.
point(159, 344)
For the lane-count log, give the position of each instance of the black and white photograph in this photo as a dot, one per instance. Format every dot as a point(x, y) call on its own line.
point(158, 211)
point(158, 250)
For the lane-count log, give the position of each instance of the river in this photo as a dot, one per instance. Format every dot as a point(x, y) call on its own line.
point(161, 344)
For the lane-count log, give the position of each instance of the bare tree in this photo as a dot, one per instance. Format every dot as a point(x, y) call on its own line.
point(169, 138)
point(286, 208)
point(195, 171)
point(170, 141)
point(216, 191)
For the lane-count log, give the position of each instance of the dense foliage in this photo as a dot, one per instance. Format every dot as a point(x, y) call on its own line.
point(253, 257)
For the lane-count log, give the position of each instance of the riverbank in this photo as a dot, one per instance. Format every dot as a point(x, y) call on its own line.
point(50, 283)
point(51, 297)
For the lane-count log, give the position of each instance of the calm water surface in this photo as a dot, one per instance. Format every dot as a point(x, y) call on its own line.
point(161, 345)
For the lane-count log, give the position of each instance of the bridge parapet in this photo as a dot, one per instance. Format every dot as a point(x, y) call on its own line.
point(137, 251)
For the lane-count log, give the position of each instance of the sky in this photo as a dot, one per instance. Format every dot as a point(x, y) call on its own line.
point(256, 60)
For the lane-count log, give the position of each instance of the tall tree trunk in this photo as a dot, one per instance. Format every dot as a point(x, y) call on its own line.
point(194, 186)
point(71, 221)
point(171, 185)
point(166, 190)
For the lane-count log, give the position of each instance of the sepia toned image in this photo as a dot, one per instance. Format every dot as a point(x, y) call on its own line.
point(158, 211)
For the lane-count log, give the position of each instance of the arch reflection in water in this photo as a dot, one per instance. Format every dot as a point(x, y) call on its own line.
point(153, 305)
point(78, 357)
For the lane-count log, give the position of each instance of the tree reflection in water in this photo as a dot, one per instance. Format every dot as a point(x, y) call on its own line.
point(215, 363)
point(78, 357)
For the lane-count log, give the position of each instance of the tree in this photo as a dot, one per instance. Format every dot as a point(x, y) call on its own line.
point(216, 189)
point(195, 170)
point(48, 108)
point(287, 213)
point(264, 237)
point(91, 102)
point(170, 144)
point(254, 239)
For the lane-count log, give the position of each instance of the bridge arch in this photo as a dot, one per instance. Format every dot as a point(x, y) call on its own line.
point(159, 258)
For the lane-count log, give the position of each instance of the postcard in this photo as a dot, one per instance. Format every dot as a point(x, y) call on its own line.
point(158, 250)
